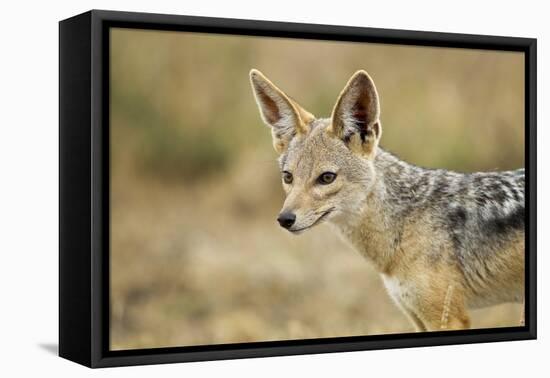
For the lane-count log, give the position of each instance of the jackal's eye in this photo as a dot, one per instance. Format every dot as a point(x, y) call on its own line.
point(326, 178)
point(287, 177)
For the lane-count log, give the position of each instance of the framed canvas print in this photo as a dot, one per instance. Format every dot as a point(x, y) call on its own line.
point(234, 188)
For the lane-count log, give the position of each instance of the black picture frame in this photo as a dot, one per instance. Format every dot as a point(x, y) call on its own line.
point(84, 187)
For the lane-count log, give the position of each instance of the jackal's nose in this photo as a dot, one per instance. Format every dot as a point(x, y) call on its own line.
point(286, 219)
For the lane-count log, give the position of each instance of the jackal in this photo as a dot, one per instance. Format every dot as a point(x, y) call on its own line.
point(442, 241)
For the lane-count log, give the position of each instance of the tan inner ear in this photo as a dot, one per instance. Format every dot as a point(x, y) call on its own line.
point(355, 117)
point(275, 106)
point(358, 100)
point(269, 108)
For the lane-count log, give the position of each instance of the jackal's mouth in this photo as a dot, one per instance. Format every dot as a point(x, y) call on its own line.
point(322, 217)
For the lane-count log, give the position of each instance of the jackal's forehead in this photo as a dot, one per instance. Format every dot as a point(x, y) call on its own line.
point(316, 149)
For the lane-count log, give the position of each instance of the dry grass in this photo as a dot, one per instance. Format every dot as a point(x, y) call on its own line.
point(196, 254)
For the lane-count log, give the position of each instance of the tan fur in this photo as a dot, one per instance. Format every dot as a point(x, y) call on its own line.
point(416, 284)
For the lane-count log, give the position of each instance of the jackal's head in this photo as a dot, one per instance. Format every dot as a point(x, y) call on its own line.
point(327, 164)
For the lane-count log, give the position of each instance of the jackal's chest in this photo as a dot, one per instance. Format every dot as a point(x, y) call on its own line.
point(399, 290)
point(372, 245)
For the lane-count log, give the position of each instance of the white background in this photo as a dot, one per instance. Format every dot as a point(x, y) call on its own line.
point(29, 186)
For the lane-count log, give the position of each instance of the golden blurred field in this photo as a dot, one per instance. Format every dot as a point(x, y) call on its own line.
point(197, 256)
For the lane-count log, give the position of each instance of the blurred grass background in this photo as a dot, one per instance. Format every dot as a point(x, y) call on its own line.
point(196, 254)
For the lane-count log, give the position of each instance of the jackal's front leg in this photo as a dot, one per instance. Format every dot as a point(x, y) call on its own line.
point(444, 309)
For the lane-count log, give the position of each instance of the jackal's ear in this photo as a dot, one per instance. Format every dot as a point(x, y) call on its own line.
point(355, 117)
point(285, 117)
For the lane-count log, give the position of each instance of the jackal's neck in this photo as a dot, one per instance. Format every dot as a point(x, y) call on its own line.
point(400, 186)
point(395, 177)
point(375, 227)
